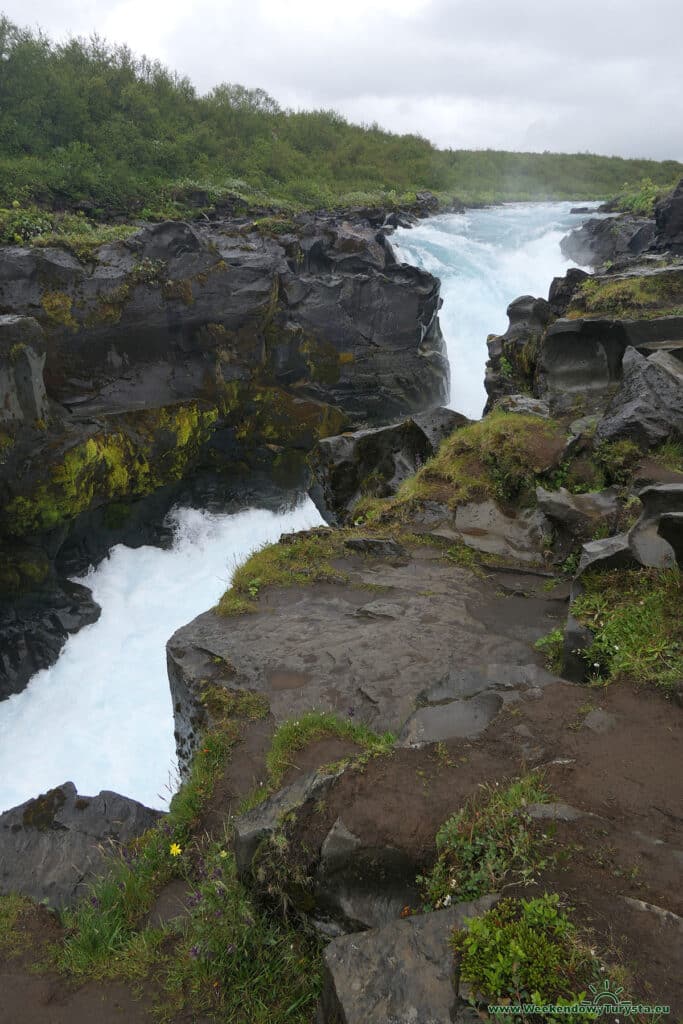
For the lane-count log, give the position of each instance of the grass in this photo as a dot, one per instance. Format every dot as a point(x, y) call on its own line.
point(646, 296)
point(527, 951)
point(227, 955)
point(669, 455)
point(636, 618)
point(551, 645)
point(314, 725)
point(502, 456)
point(13, 941)
point(303, 559)
point(490, 838)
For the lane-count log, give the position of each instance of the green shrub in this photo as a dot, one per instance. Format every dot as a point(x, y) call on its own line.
point(485, 841)
point(526, 951)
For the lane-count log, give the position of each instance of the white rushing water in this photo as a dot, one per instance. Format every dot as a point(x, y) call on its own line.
point(485, 259)
point(101, 716)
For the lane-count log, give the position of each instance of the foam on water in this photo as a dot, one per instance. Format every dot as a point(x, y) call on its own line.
point(102, 716)
point(485, 259)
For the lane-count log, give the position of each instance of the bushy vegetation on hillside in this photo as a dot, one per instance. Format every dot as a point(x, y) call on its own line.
point(85, 124)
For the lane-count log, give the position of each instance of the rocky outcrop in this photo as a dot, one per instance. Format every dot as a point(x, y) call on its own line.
point(52, 845)
point(188, 352)
point(647, 408)
point(512, 356)
point(577, 516)
point(599, 240)
point(374, 463)
point(669, 222)
point(35, 626)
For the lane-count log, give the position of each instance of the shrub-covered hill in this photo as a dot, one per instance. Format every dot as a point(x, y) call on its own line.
point(86, 124)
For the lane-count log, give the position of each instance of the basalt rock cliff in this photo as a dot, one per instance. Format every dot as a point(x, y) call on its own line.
point(182, 362)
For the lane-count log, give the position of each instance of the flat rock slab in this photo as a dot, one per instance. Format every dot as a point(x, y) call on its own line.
point(458, 719)
point(484, 527)
point(359, 653)
point(399, 974)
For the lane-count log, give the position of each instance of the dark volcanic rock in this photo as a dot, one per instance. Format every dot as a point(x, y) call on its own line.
point(578, 515)
point(648, 542)
point(671, 529)
point(374, 462)
point(51, 845)
point(580, 360)
point(401, 973)
point(35, 627)
point(599, 240)
point(562, 289)
point(188, 350)
point(359, 886)
point(512, 356)
point(648, 406)
point(669, 221)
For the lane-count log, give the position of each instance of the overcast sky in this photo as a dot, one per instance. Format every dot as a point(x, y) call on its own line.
point(604, 76)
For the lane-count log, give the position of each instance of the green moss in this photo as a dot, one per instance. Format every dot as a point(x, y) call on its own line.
point(651, 295)
point(13, 939)
point(40, 813)
point(81, 237)
point(22, 569)
point(277, 417)
point(669, 455)
point(502, 457)
point(155, 450)
point(617, 459)
point(272, 227)
point(303, 559)
point(58, 309)
point(636, 618)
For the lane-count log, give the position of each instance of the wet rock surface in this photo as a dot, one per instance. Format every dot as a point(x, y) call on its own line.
point(51, 845)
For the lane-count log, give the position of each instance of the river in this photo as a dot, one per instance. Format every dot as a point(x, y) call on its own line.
point(101, 716)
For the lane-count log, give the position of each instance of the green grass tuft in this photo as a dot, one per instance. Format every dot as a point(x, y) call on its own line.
point(637, 620)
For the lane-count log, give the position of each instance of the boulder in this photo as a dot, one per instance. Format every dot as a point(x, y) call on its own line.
point(34, 628)
point(669, 221)
point(51, 846)
point(599, 240)
point(482, 525)
point(606, 554)
point(580, 364)
point(578, 515)
point(647, 542)
point(401, 973)
point(562, 289)
point(647, 408)
point(374, 462)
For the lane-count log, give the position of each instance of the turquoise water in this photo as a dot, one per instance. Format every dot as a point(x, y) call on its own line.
point(485, 259)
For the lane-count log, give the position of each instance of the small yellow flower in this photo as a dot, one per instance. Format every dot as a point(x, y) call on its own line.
point(223, 853)
point(175, 850)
